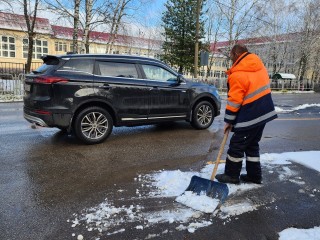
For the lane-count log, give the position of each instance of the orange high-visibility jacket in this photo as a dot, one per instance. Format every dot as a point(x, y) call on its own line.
point(249, 96)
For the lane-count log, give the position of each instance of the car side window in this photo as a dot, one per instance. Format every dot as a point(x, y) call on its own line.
point(78, 65)
point(158, 73)
point(117, 69)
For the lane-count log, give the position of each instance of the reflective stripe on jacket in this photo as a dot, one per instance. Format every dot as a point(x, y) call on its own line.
point(249, 101)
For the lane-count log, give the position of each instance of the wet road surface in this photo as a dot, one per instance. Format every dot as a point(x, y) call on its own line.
point(46, 176)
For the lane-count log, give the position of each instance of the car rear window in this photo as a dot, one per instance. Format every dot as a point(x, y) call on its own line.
point(48, 64)
point(117, 69)
point(78, 65)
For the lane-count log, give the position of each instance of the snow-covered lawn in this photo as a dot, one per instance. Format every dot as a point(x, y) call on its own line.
point(189, 212)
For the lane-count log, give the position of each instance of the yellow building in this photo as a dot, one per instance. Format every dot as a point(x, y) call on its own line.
point(52, 39)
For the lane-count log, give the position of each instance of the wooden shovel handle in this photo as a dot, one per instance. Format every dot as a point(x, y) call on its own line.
point(225, 137)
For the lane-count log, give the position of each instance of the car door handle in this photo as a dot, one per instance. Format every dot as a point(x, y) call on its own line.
point(153, 88)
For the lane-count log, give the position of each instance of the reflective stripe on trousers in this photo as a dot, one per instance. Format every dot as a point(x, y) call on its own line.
point(245, 144)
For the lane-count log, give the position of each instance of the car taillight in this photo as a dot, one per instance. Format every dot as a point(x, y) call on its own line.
point(50, 80)
point(42, 112)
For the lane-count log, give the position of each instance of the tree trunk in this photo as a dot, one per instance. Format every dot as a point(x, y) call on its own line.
point(76, 25)
point(112, 31)
point(86, 32)
point(30, 22)
point(196, 46)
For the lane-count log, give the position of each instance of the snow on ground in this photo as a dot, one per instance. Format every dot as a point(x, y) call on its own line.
point(201, 203)
point(300, 107)
point(188, 211)
point(298, 234)
point(11, 98)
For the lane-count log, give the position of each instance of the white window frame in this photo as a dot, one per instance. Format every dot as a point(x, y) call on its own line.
point(216, 74)
point(60, 46)
point(9, 44)
point(38, 48)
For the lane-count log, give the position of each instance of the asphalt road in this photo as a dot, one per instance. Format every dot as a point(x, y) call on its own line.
point(46, 175)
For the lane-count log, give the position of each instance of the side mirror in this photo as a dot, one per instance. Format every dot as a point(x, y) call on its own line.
point(180, 79)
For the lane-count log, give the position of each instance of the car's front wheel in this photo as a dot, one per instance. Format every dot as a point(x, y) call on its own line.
point(202, 115)
point(93, 125)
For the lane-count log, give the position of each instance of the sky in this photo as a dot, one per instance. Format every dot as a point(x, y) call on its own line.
point(188, 210)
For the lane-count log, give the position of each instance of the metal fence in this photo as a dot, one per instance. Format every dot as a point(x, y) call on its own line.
point(16, 68)
point(275, 85)
point(12, 77)
point(12, 83)
point(11, 87)
point(11, 69)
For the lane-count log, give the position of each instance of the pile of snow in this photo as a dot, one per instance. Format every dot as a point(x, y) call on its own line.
point(200, 202)
point(300, 107)
point(188, 211)
point(170, 183)
point(298, 234)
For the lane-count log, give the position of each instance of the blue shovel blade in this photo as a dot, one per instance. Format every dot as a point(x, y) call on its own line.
point(212, 189)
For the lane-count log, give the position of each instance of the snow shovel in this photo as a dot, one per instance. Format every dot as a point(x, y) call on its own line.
point(211, 188)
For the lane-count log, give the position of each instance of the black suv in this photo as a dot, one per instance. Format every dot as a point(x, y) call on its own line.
point(89, 94)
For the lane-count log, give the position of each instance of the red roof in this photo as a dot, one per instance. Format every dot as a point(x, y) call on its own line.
point(67, 33)
point(218, 46)
point(18, 22)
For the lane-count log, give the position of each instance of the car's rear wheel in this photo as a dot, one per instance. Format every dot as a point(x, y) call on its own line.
point(93, 125)
point(202, 115)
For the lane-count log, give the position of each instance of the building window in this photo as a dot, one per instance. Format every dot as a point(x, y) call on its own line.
point(7, 46)
point(60, 47)
point(101, 49)
point(77, 50)
point(218, 63)
point(225, 63)
point(40, 48)
point(217, 74)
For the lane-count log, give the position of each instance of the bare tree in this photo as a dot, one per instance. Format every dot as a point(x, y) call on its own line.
point(87, 15)
point(213, 25)
point(309, 37)
point(30, 14)
point(86, 31)
point(71, 12)
point(118, 13)
point(76, 21)
point(145, 25)
point(95, 13)
point(238, 19)
point(5, 3)
point(276, 20)
point(83, 15)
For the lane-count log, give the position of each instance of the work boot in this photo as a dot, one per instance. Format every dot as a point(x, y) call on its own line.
point(224, 178)
point(246, 178)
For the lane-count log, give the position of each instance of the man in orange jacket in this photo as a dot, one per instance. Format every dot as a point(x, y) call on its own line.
point(249, 108)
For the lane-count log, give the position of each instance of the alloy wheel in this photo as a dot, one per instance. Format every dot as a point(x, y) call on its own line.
point(94, 125)
point(204, 115)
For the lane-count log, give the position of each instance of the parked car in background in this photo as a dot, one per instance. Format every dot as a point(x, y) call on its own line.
point(89, 94)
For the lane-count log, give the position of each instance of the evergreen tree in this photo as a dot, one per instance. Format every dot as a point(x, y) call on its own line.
point(179, 22)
